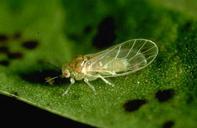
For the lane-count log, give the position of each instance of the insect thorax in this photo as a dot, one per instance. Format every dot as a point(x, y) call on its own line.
point(75, 68)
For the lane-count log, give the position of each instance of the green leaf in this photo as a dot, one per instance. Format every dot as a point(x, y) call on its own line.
point(36, 35)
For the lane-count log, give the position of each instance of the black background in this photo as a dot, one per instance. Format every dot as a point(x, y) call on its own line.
point(14, 113)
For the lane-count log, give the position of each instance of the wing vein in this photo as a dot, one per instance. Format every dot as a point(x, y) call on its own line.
point(118, 52)
point(137, 52)
point(148, 50)
point(130, 49)
point(141, 47)
point(114, 57)
point(102, 56)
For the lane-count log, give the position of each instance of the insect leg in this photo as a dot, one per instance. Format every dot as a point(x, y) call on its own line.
point(72, 81)
point(106, 81)
point(90, 85)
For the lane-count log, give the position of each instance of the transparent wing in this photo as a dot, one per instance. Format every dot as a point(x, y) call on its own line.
point(124, 58)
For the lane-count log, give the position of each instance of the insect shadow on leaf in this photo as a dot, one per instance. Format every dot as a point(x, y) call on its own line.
point(39, 76)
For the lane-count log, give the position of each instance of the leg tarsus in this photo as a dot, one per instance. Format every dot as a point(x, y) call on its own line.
point(90, 85)
point(67, 90)
point(72, 81)
point(106, 81)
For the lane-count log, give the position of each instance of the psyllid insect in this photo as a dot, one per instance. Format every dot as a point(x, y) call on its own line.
point(119, 60)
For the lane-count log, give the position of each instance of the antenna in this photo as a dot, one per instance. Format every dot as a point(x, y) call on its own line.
point(51, 80)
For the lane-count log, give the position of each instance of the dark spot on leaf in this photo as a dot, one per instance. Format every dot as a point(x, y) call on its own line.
point(30, 44)
point(17, 35)
point(168, 124)
point(4, 49)
point(3, 38)
point(39, 76)
point(105, 35)
point(190, 98)
point(133, 105)
point(187, 26)
point(15, 55)
point(4, 62)
point(74, 37)
point(49, 104)
point(164, 95)
point(14, 93)
point(87, 29)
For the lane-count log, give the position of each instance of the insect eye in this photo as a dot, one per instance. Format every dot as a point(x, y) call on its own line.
point(66, 73)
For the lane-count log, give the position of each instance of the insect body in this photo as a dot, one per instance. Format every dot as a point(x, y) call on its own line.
point(118, 60)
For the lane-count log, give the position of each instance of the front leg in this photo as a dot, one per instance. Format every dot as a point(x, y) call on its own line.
point(72, 81)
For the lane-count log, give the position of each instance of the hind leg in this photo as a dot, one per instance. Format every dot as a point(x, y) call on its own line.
point(106, 81)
